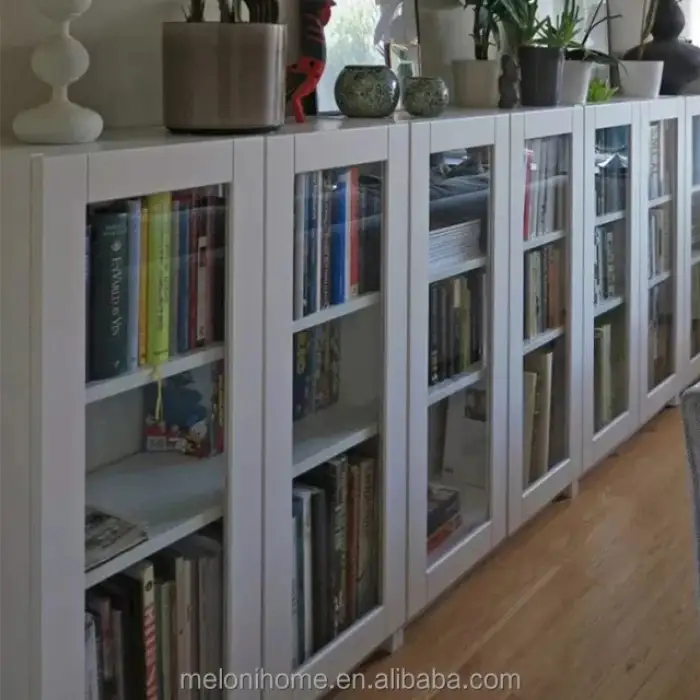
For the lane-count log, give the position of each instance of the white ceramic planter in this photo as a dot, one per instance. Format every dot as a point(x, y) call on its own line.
point(476, 83)
point(641, 78)
point(577, 77)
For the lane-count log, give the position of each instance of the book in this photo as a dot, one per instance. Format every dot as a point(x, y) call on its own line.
point(108, 535)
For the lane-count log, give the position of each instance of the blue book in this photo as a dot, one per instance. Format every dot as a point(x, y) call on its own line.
point(339, 231)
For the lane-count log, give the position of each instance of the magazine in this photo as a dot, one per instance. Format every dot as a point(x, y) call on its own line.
point(107, 535)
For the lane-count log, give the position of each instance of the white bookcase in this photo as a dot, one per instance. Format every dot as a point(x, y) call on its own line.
point(691, 240)
point(66, 444)
point(458, 363)
point(612, 181)
point(662, 326)
point(545, 310)
point(357, 173)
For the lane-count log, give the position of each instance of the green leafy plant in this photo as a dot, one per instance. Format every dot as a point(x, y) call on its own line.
point(520, 22)
point(486, 31)
point(600, 91)
point(561, 33)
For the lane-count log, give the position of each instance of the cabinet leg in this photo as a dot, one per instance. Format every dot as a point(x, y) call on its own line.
point(569, 493)
point(394, 643)
point(675, 401)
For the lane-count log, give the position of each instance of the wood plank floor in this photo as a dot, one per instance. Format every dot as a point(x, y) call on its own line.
point(592, 601)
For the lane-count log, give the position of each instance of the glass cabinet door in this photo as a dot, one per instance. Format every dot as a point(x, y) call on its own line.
point(694, 306)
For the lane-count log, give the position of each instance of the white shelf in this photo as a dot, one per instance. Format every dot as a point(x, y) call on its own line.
point(543, 240)
point(474, 502)
point(602, 307)
point(171, 495)
point(336, 311)
point(660, 201)
point(656, 280)
point(97, 391)
point(538, 341)
point(610, 218)
point(439, 392)
point(325, 434)
point(443, 271)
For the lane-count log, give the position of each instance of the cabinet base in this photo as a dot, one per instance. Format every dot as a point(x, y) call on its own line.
point(569, 493)
point(394, 643)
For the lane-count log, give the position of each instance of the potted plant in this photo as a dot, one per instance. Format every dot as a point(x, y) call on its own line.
point(639, 77)
point(600, 91)
point(225, 76)
point(475, 79)
point(539, 46)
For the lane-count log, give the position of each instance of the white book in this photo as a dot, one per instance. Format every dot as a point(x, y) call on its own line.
point(541, 364)
point(603, 365)
point(529, 394)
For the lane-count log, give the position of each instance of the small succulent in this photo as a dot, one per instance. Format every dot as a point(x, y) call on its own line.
point(600, 91)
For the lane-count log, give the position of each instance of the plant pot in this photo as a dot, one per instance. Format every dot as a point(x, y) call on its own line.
point(368, 92)
point(476, 83)
point(424, 96)
point(223, 78)
point(541, 73)
point(575, 82)
point(641, 78)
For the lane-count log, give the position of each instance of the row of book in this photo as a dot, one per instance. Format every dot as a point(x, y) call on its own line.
point(155, 279)
point(457, 325)
point(660, 241)
point(337, 240)
point(611, 169)
point(609, 265)
point(455, 244)
point(336, 538)
point(661, 324)
point(154, 622)
point(545, 302)
point(316, 369)
point(609, 372)
point(546, 186)
point(662, 147)
point(185, 413)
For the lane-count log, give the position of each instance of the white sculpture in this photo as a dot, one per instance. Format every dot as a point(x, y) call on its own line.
point(59, 61)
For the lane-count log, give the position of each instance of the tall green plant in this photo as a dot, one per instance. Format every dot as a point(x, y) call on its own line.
point(561, 33)
point(486, 31)
point(521, 24)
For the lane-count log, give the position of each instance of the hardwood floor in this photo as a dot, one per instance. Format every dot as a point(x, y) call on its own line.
point(592, 601)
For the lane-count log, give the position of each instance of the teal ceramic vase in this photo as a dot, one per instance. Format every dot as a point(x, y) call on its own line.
point(369, 92)
point(424, 96)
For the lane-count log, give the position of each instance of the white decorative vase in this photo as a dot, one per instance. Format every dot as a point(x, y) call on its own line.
point(575, 82)
point(59, 61)
point(476, 83)
point(641, 78)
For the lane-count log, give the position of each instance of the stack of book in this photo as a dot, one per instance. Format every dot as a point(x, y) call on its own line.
point(545, 271)
point(444, 514)
point(158, 620)
point(660, 241)
point(609, 266)
point(337, 244)
point(316, 369)
point(336, 537)
point(457, 326)
point(155, 279)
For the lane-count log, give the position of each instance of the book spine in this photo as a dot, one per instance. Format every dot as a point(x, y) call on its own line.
point(165, 634)
point(313, 217)
point(301, 366)
point(174, 275)
point(340, 467)
point(202, 301)
point(218, 300)
point(143, 283)
point(354, 232)
point(118, 639)
point(134, 237)
point(159, 279)
point(300, 195)
point(366, 565)
point(326, 236)
point(338, 240)
point(353, 525)
point(307, 587)
point(150, 637)
point(109, 347)
point(183, 277)
point(434, 344)
point(298, 592)
point(195, 225)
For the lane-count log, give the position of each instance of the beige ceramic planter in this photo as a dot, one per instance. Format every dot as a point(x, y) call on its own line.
point(223, 78)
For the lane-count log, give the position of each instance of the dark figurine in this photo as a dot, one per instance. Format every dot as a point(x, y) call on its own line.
point(304, 75)
point(681, 59)
point(508, 83)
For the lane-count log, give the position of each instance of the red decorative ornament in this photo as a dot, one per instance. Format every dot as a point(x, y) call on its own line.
point(304, 75)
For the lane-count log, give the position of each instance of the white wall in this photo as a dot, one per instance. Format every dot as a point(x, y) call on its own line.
point(123, 38)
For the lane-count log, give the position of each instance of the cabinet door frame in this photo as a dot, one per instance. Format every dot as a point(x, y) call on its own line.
point(692, 110)
point(597, 445)
point(654, 400)
point(44, 472)
point(320, 145)
point(527, 124)
point(425, 583)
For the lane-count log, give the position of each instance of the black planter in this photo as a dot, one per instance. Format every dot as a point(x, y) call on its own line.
point(541, 72)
